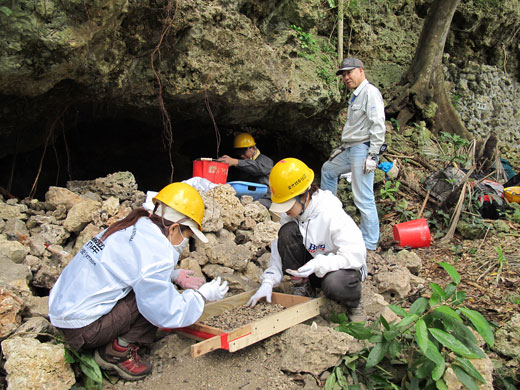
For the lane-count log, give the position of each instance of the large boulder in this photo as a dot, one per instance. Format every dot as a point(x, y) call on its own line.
point(311, 349)
point(33, 365)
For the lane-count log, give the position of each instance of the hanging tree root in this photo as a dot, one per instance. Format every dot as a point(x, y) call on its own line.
point(167, 124)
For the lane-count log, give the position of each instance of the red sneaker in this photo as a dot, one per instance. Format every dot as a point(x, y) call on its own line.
point(124, 360)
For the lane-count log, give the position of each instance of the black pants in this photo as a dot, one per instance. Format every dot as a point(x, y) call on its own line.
point(342, 286)
point(124, 320)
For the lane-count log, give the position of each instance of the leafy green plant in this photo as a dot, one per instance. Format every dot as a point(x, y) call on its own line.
point(326, 75)
point(501, 261)
point(455, 98)
point(396, 124)
point(92, 376)
point(308, 43)
point(445, 217)
point(454, 147)
point(389, 189)
point(402, 208)
point(6, 11)
point(414, 352)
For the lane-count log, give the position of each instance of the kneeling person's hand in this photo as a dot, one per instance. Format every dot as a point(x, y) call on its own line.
point(214, 290)
point(264, 291)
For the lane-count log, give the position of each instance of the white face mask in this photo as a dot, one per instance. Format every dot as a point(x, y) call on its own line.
point(180, 247)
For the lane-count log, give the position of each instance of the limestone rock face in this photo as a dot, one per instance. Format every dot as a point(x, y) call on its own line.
point(121, 185)
point(507, 339)
point(211, 221)
point(232, 211)
point(80, 215)
point(8, 211)
point(264, 233)
point(311, 349)
point(394, 283)
point(31, 364)
point(13, 250)
point(61, 196)
point(409, 260)
point(229, 255)
point(12, 272)
point(484, 366)
point(10, 312)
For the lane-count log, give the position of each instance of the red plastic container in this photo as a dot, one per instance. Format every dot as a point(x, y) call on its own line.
point(414, 234)
point(214, 171)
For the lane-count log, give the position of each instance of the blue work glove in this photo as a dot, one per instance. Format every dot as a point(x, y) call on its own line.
point(385, 166)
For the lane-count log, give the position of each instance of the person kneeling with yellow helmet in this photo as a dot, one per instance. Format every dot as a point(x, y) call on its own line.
point(117, 290)
point(252, 166)
point(318, 244)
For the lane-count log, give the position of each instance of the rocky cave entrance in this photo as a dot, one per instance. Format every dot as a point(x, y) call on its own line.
point(88, 144)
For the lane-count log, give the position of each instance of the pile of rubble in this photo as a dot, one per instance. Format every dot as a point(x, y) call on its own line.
point(39, 238)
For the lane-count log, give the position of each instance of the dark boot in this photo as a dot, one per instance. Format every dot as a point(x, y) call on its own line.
point(303, 287)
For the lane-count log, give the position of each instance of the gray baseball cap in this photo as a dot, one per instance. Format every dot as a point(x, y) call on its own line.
point(349, 64)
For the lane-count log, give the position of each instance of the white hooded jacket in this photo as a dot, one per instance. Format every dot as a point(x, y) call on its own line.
point(329, 235)
point(138, 258)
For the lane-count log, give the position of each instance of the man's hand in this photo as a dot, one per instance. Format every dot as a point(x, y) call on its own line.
point(187, 279)
point(228, 160)
point(264, 291)
point(304, 271)
point(335, 152)
point(370, 164)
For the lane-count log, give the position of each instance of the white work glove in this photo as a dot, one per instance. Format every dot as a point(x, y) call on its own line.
point(370, 164)
point(187, 279)
point(305, 270)
point(264, 291)
point(214, 290)
point(335, 152)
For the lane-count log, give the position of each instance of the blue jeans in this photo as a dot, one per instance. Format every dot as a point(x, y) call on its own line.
point(351, 160)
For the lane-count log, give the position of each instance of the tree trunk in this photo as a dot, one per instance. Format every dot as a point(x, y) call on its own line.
point(423, 85)
point(340, 31)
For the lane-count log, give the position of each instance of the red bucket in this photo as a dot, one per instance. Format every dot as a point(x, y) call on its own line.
point(214, 171)
point(414, 234)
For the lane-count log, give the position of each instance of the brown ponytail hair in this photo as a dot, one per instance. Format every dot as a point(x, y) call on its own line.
point(132, 218)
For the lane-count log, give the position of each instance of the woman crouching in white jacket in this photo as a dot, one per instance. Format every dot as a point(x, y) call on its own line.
point(318, 244)
point(118, 289)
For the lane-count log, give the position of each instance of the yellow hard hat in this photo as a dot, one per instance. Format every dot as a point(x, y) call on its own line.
point(183, 198)
point(243, 140)
point(289, 177)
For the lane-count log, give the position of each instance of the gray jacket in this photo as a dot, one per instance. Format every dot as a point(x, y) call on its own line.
point(365, 118)
point(255, 171)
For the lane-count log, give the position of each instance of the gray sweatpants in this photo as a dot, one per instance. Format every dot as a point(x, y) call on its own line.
point(342, 286)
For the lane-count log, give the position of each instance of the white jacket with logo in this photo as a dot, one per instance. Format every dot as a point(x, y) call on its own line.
point(329, 235)
point(138, 258)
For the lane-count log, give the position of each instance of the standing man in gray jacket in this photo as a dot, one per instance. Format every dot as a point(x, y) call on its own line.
point(362, 138)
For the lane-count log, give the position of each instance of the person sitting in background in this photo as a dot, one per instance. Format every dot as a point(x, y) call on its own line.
point(252, 166)
point(117, 290)
point(318, 244)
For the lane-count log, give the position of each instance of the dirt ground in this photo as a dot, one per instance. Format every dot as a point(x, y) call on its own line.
point(246, 369)
point(495, 295)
